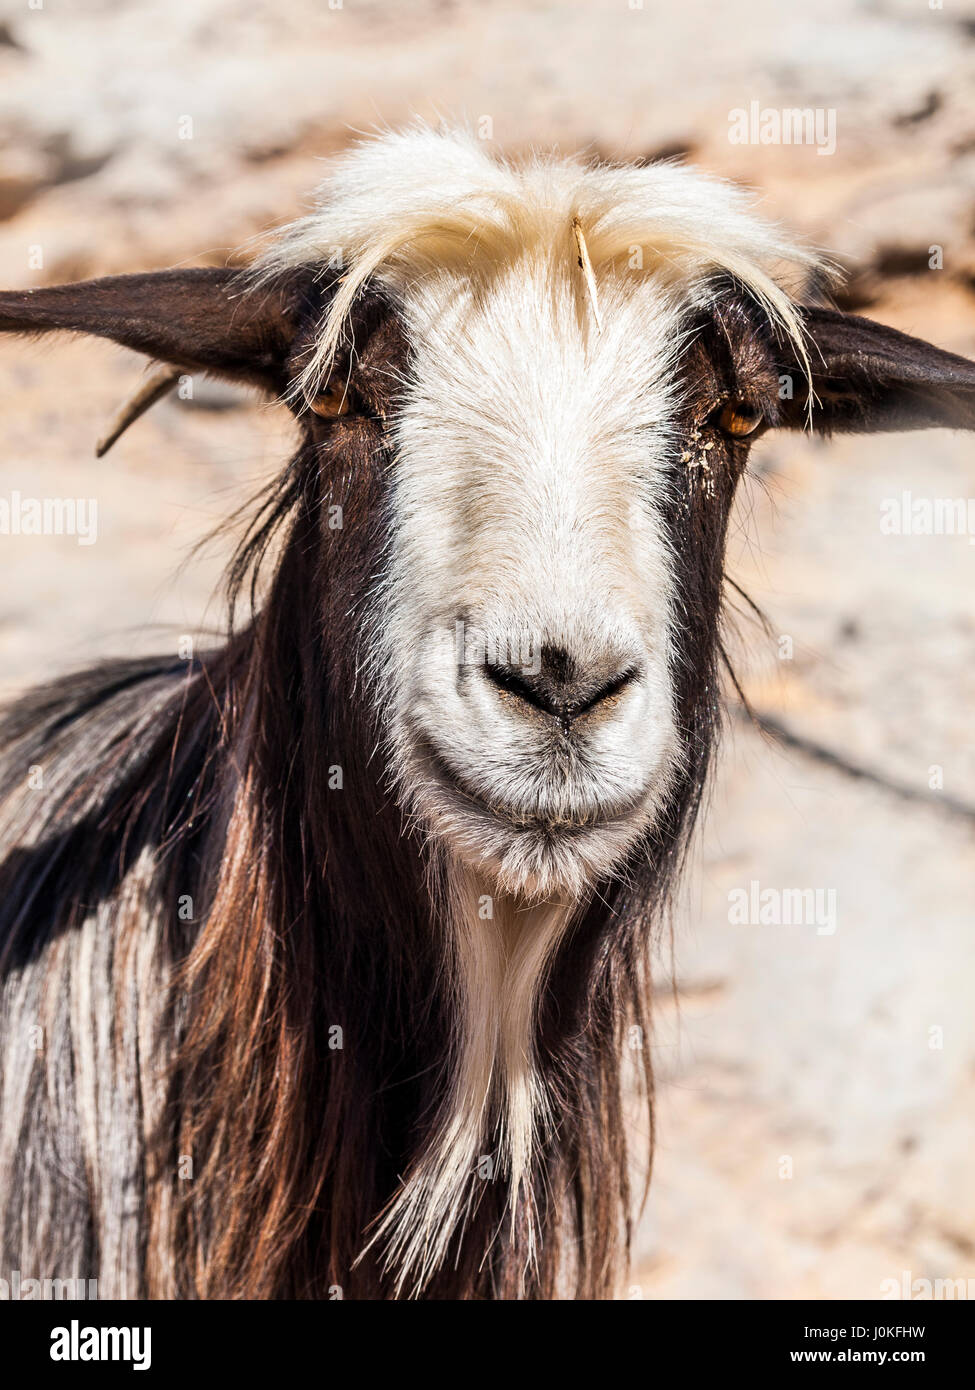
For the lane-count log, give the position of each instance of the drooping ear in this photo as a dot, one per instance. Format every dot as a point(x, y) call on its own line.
point(867, 377)
point(198, 320)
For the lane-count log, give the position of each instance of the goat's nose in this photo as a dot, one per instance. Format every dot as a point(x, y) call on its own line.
point(561, 686)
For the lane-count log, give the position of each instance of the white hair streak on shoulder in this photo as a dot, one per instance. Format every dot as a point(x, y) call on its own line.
point(402, 204)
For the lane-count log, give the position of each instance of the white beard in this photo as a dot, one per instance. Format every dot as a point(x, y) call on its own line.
point(499, 949)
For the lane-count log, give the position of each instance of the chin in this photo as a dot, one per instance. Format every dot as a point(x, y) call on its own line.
point(533, 857)
point(557, 864)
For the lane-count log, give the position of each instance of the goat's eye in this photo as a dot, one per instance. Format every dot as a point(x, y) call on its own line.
point(738, 418)
point(334, 401)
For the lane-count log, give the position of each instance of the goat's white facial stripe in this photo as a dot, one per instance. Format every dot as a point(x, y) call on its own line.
point(526, 506)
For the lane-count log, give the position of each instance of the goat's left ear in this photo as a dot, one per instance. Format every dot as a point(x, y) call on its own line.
point(870, 378)
point(198, 320)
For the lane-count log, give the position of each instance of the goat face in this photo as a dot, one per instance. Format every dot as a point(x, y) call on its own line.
point(526, 618)
point(547, 487)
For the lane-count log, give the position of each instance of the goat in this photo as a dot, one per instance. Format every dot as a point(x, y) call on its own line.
point(336, 935)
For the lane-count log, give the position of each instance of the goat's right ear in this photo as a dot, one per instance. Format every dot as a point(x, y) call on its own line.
point(205, 320)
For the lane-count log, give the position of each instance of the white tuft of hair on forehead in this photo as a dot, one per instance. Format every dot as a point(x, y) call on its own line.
point(405, 203)
point(545, 304)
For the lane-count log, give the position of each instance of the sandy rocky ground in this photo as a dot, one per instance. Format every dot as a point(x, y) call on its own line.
point(783, 1043)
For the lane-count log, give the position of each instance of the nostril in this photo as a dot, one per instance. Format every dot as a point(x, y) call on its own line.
point(611, 688)
point(555, 693)
point(514, 682)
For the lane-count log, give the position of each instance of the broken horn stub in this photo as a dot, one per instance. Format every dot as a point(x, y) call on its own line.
point(156, 385)
point(585, 265)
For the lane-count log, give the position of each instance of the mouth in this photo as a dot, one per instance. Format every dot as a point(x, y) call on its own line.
point(453, 782)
